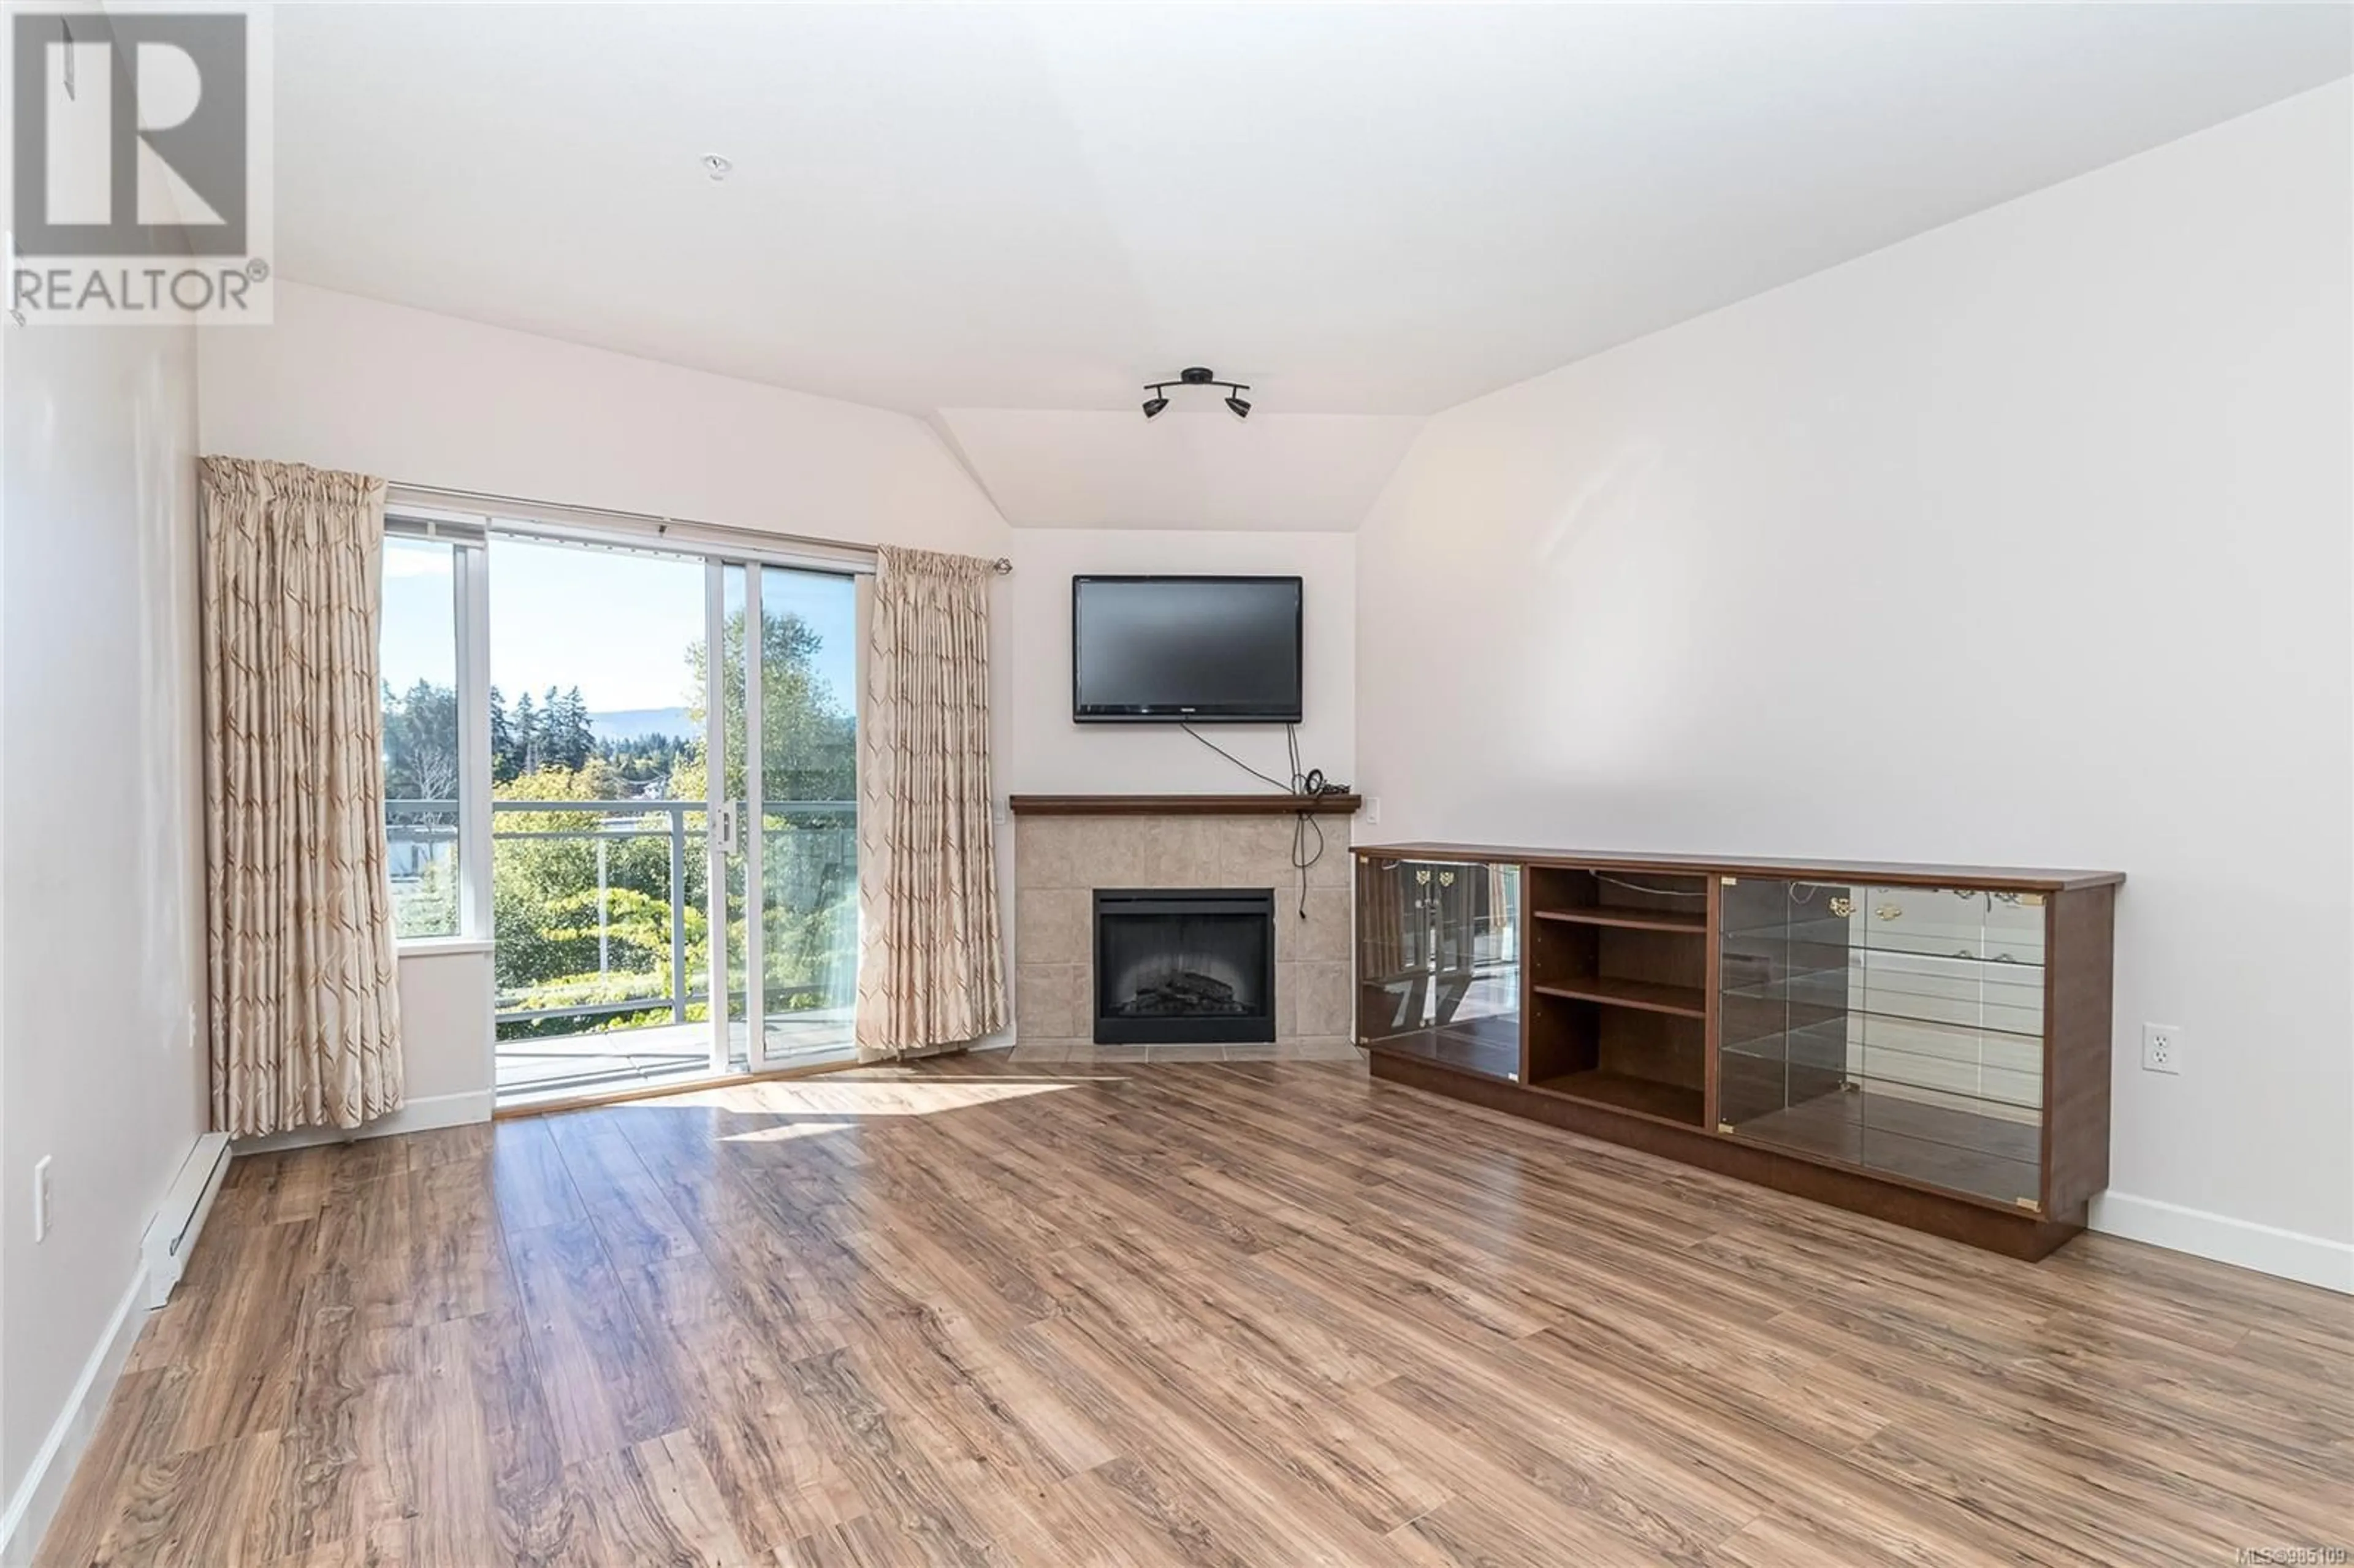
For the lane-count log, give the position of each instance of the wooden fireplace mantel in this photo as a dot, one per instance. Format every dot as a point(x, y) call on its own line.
point(1267, 803)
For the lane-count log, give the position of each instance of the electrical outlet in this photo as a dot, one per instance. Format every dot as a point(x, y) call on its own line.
point(41, 1198)
point(1372, 810)
point(2161, 1048)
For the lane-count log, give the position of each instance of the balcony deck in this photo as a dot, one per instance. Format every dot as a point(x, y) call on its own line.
point(660, 1055)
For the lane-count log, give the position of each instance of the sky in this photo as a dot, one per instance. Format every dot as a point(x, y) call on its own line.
point(616, 626)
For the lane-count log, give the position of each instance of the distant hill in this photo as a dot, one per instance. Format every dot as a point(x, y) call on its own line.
point(636, 724)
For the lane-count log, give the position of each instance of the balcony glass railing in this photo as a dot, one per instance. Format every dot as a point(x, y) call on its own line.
point(423, 863)
point(599, 908)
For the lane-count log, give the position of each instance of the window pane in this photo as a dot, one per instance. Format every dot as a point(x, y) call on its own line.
point(598, 863)
point(418, 658)
point(808, 788)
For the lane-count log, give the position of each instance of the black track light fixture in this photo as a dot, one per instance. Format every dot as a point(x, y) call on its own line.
point(1196, 375)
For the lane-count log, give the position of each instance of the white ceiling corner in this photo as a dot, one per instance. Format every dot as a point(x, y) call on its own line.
point(1075, 468)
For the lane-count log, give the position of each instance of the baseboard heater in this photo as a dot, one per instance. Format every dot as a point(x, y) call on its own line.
point(172, 1233)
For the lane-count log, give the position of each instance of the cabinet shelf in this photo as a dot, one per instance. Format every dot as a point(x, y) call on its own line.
point(1621, 1091)
point(1629, 920)
point(1683, 1002)
point(1986, 1156)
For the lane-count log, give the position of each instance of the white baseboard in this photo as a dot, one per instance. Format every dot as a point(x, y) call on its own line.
point(43, 1485)
point(171, 1238)
point(2290, 1255)
point(417, 1116)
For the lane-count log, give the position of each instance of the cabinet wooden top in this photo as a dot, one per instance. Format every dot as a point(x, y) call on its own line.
point(2037, 879)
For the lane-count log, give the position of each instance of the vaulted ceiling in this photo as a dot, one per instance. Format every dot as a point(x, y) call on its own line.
point(1003, 219)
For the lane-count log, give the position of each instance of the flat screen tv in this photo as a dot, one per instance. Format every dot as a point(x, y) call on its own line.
point(1167, 650)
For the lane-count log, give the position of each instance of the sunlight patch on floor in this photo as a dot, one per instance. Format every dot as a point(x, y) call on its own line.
point(872, 1097)
point(843, 1096)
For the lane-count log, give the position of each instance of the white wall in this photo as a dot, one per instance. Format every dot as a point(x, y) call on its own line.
point(2025, 541)
point(1047, 754)
point(446, 998)
point(428, 399)
point(422, 399)
point(101, 858)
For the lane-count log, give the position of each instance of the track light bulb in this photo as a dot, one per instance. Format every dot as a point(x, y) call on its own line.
point(1241, 408)
point(1153, 405)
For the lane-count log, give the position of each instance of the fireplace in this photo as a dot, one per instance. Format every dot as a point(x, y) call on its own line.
point(1190, 966)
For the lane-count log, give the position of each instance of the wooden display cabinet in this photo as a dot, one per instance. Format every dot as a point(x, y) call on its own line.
point(1925, 1044)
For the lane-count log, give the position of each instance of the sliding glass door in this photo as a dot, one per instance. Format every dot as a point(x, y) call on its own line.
point(786, 861)
point(672, 796)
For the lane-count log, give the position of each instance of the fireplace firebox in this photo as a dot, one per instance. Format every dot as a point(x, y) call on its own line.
point(1190, 966)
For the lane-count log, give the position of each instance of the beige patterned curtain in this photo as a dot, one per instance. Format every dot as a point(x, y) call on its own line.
point(306, 1015)
point(931, 959)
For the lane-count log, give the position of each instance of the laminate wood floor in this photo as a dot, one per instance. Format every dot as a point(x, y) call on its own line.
point(1249, 1315)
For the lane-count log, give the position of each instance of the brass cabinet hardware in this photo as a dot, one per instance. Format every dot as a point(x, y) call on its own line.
point(1842, 907)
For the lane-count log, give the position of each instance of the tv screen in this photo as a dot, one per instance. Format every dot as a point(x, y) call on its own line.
point(1174, 650)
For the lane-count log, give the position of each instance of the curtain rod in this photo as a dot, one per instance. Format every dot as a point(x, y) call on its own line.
point(662, 524)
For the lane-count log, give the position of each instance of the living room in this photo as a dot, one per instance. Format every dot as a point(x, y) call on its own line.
point(1751, 607)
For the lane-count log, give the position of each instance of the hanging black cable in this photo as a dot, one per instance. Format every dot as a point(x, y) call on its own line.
point(1238, 761)
point(1310, 783)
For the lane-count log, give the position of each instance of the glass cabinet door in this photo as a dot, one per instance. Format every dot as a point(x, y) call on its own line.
point(1438, 961)
point(1900, 1029)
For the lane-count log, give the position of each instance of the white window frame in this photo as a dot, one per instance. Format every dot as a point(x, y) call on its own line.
point(471, 601)
point(475, 742)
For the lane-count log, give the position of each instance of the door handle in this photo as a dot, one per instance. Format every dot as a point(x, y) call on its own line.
point(724, 829)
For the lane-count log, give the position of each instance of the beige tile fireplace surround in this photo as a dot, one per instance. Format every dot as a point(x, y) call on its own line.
point(1060, 858)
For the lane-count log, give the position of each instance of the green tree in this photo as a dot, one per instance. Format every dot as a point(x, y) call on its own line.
point(643, 762)
point(548, 911)
point(565, 740)
point(420, 763)
point(807, 739)
point(421, 743)
point(506, 759)
point(527, 735)
point(577, 737)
